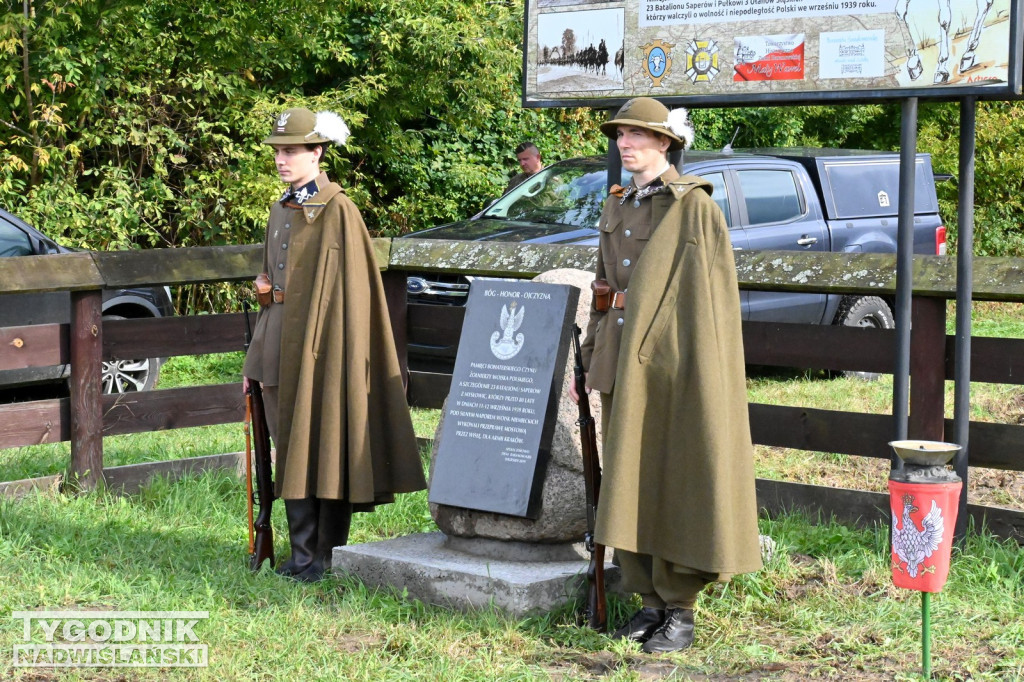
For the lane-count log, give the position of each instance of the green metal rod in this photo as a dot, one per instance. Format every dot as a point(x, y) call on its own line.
point(926, 635)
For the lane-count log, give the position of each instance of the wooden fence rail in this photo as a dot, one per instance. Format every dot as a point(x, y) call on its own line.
point(85, 341)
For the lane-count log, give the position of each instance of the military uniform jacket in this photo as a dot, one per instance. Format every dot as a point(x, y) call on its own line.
point(344, 428)
point(626, 227)
point(678, 480)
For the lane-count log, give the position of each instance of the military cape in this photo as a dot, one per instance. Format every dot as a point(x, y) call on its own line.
point(344, 428)
point(678, 460)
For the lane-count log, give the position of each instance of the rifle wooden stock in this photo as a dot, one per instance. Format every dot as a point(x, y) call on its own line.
point(596, 613)
point(248, 468)
point(261, 533)
point(263, 498)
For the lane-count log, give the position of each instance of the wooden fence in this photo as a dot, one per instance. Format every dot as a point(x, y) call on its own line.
point(87, 416)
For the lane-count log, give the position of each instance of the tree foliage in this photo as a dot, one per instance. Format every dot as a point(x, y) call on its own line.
point(999, 169)
point(139, 123)
point(128, 124)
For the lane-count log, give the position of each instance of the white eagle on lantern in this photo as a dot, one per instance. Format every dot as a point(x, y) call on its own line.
point(912, 545)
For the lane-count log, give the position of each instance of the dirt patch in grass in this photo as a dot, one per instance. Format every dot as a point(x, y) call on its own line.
point(989, 487)
point(356, 643)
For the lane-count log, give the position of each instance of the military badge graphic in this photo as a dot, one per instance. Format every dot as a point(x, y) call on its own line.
point(702, 61)
point(282, 121)
point(657, 60)
point(502, 344)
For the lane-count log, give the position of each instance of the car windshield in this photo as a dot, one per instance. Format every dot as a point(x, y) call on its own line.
point(559, 194)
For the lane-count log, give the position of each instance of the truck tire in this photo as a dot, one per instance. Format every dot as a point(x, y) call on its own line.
point(125, 376)
point(864, 311)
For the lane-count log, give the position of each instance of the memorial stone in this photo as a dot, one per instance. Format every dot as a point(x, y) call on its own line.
point(500, 414)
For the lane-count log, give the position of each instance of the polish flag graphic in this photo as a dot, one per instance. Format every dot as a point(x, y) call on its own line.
point(769, 58)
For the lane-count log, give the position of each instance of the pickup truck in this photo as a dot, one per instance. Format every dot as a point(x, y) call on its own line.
point(804, 199)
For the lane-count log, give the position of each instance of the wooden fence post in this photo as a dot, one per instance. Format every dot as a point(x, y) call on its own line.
point(86, 389)
point(927, 368)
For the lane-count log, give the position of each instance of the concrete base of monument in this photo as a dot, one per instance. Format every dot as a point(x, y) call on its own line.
point(516, 578)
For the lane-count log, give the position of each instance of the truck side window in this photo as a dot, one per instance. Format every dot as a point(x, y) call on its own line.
point(13, 242)
point(771, 196)
point(720, 194)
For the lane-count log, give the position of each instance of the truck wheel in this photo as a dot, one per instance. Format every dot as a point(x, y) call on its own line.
point(866, 311)
point(125, 376)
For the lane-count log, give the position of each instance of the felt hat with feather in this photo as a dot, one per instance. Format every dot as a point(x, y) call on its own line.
point(302, 126)
point(650, 114)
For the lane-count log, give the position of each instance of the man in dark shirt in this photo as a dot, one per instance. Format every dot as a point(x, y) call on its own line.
point(529, 160)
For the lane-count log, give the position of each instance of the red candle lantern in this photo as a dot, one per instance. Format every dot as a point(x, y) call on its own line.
point(924, 496)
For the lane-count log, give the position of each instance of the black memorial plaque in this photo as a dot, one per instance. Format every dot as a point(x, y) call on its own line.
point(503, 403)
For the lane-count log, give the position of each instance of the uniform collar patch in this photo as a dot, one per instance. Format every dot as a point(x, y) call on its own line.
point(301, 195)
point(647, 190)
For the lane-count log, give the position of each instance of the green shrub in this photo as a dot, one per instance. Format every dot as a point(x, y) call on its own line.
point(139, 125)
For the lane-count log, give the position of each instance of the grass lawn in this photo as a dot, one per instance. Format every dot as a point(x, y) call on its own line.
point(823, 608)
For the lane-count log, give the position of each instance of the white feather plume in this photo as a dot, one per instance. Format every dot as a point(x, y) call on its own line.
point(679, 123)
point(331, 126)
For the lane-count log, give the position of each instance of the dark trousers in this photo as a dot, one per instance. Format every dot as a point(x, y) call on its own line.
point(660, 584)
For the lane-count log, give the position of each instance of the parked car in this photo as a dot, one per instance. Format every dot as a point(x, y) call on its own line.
point(800, 199)
point(18, 238)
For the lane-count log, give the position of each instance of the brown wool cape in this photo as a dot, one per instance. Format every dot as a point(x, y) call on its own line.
point(344, 423)
point(678, 462)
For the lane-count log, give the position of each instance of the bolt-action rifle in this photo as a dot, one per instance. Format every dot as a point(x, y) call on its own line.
point(261, 534)
point(596, 614)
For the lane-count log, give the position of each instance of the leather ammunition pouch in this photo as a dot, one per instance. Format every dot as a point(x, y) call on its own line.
point(602, 295)
point(605, 298)
point(264, 294)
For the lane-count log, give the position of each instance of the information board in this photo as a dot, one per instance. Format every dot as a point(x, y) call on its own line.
point(747, 52)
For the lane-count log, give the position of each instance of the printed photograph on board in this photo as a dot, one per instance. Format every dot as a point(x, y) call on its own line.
point(580, 51)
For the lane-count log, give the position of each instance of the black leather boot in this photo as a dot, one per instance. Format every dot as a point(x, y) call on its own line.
point(675, 634)
point(642, 625)
point(303, 519)
point(333, 526)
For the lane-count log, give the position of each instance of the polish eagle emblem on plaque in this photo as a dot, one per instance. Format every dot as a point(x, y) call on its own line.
point(503, 345)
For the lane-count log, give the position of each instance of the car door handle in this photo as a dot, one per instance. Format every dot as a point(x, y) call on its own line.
point(807, 241)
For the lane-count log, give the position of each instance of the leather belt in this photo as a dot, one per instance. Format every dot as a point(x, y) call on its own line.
point(278, 295)
point(619, 300)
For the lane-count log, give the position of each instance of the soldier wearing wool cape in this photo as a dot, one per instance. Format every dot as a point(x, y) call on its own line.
point(324, 352)
point(677, 496)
